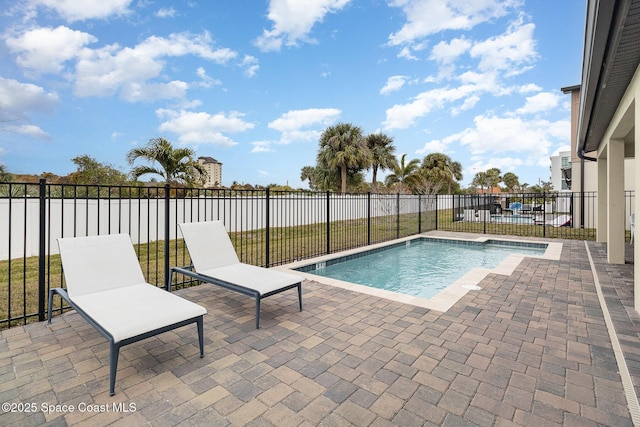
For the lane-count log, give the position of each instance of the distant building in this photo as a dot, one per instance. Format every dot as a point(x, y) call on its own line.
point(561, 171)
point(492, 190)
point(214, 171)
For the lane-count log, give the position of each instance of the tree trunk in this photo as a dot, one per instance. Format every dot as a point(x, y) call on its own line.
point(343, 176)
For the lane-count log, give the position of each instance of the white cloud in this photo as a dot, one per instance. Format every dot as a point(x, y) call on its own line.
point(261, 146)
point(203, 128)
point(541, 102)
point(528, 88)
point(394, 83)
point(505, 164)
point(426, 17)
point(447, 52)
point(74, 10)
point(250, 64)
point(293, 123)
point(405, 53)
point(404, 115)
point(468, 104)
point(437, 146)
point(533, 138)
point(112, 69)
point(18, 101)
point(512, 52)
point(206, 80)
point(17, 97)
point(505, 55)
point(32, 131)
point(433, 146)
point(293, 21)
point(166, 12)
point(505, 142)
point(47, 49)
point(149, 92)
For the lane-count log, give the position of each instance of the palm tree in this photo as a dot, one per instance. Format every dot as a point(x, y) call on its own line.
point(176, 164)
point(481, 180)
point(343, 147)
point(441, 169)
point(405, 174)
point(511, 181)
point(494, 176)
point(5, 176)
point(382, 154)
point(308, 173)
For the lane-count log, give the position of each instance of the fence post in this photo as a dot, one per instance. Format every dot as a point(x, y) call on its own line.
point(167, 229)
point(436, 212)
point(544, 214)
point(328, 224)
point(419, 214)
point(368, 218)
point(397, 215)
point(484, 217)
point(42, 230)
point(267, 232)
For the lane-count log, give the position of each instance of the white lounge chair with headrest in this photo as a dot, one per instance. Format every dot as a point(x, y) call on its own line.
point(214, 260)
point(105, 285)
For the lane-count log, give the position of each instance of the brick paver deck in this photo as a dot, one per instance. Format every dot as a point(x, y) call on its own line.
point(528, 349)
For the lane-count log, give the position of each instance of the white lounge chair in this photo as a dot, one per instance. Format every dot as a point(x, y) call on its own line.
point(559, 221)
point(105, 285)
point(214, 260)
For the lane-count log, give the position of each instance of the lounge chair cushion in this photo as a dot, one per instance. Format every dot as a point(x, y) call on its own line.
point(120, 311)
point(99, 263)
point(249, 276)
point(209, 245)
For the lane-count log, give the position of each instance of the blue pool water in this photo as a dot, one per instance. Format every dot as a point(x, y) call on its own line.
point(421, 267)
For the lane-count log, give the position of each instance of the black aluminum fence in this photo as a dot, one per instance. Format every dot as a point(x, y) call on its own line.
point(267, 227)
point(555, 215)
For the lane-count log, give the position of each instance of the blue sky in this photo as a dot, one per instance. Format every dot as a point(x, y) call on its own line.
point(254, 83)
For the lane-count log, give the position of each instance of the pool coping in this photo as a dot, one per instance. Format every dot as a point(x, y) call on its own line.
point(447, 297)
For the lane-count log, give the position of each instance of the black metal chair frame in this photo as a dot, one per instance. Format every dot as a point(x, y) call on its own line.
point(114, 347)
point(188, 271)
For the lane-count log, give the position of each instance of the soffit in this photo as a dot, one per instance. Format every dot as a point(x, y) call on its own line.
point(616, 69)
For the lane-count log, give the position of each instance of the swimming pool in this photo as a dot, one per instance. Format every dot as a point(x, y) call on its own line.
point(420, 267)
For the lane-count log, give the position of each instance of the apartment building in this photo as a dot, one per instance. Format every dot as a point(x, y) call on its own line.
point(561, 171)
point(214, 171)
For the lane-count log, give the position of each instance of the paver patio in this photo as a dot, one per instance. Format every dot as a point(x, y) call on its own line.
point(528, 349)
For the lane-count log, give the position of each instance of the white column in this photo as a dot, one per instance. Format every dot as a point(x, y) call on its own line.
point(615, 201)
point(601, 225)
point(636, 254)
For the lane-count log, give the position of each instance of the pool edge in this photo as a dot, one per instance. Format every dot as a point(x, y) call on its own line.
point(447, 297)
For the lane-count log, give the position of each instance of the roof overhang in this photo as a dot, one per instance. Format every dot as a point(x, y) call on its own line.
point(611, 57)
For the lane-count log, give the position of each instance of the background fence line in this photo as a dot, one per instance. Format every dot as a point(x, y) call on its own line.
point(144, 218)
